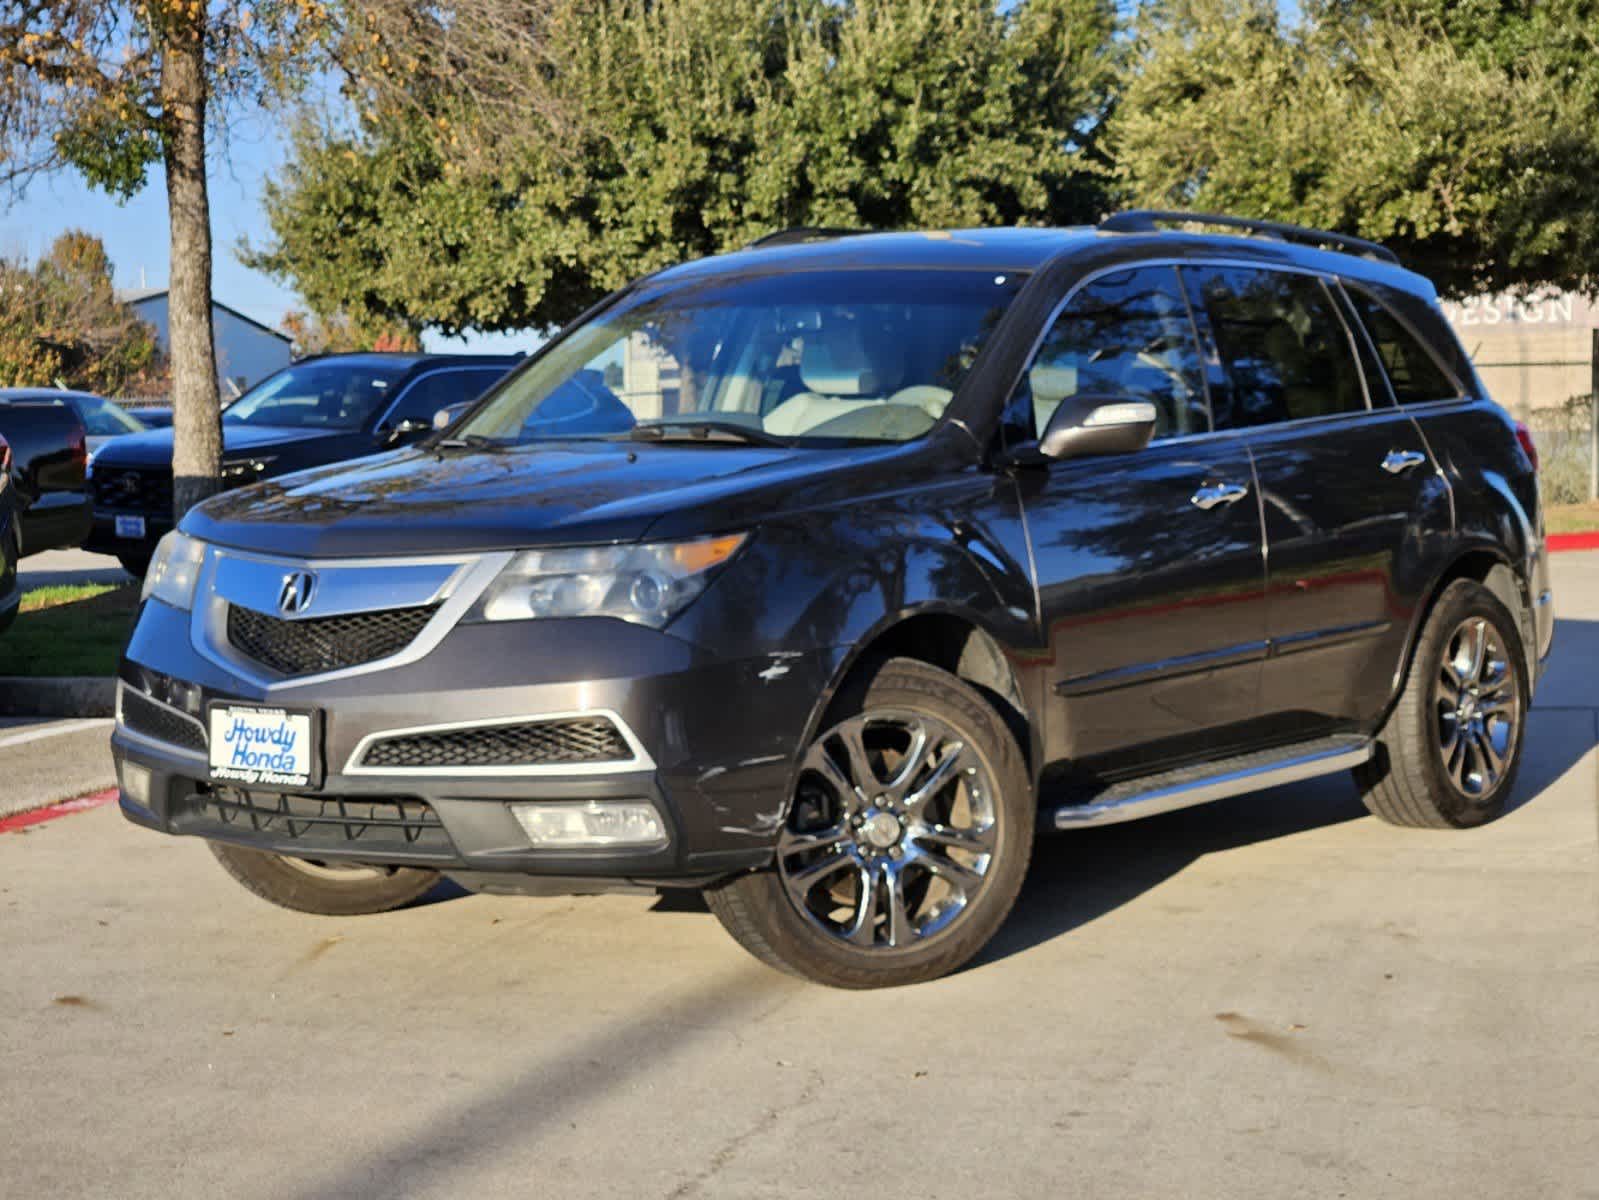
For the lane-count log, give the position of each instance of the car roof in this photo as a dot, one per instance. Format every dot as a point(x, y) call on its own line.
point(409, 359)
point(41, 393)
point(1029, 249)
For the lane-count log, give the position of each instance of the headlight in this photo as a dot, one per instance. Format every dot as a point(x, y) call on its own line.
point(646, 584)
point(245, 470)
point(174, 570)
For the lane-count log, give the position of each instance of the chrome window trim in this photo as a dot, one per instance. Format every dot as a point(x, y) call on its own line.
point(172, 748)
point(208, 622)
point(1189, 438)
point(640, 760)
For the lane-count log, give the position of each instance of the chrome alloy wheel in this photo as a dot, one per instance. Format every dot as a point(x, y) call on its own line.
point(1478, 703)
point(892, 832)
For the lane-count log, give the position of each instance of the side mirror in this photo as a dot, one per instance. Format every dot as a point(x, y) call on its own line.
point(1092, 424)
point(446, 416)
point(404, 431)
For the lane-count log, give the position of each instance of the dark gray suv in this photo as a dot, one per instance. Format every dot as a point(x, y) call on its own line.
point(822, 575)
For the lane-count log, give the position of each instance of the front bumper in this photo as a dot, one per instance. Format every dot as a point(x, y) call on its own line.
point(103, 537)
point(718, 740)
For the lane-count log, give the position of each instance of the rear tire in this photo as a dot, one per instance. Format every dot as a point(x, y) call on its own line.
point(905, 845)
point(335, 890)
point(1448, 755)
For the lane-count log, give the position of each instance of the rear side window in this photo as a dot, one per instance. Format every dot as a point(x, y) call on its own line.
point(1285, 350)
point(1412, 370)
point(1127, 334)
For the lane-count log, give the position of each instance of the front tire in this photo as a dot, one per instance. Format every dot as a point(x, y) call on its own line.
point(326, 889)
point(135, 564)
point(1448, 755)
point(905, 845)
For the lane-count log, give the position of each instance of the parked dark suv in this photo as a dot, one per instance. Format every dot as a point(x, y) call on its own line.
point(820, 576)
point(318, 410)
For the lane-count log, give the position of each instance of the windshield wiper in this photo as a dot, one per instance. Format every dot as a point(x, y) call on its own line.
point(690, 430)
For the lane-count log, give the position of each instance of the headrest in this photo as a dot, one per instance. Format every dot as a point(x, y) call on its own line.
point(1052, 384)
point(834, 362)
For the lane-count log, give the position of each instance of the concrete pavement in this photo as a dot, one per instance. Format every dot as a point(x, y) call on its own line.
point(1271, 996)
point(52, 567)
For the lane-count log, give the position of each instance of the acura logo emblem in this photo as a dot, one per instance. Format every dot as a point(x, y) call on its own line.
point(295, 595)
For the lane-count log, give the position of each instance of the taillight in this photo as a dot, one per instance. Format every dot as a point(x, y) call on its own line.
point(1524, 436)
point(5, 456)
point(78, 446)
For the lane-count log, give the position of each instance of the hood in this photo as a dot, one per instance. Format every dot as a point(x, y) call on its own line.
point(153, 447)
point(420, 502)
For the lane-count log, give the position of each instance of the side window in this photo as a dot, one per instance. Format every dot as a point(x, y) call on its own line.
point(1127, 334)
point(1413, 371)
point(439, 389)
point(1284, 348)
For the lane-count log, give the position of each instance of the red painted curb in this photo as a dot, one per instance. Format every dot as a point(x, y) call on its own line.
point(65, 809)
point(1573, 541)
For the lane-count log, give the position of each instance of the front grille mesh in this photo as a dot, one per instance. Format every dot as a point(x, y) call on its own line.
point(160, 723)
point(133, 489)
point(566, 740)
point(402, 825)
point(316, 644)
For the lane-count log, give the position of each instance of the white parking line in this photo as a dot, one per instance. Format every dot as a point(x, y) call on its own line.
point(34, 735)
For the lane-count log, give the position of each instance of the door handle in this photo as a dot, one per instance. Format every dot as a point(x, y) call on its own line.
point(1400, 461)
point(1212, 494)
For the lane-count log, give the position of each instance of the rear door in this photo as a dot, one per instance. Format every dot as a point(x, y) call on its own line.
point(1345, 481)
point(1149, 565)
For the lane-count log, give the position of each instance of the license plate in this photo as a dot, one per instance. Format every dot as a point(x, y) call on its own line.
point(130, 527)
point(266, 747)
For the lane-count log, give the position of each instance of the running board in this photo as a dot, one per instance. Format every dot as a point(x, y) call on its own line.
point(1171, 790)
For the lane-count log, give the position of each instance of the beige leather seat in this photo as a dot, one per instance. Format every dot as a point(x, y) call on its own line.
point(839, 378)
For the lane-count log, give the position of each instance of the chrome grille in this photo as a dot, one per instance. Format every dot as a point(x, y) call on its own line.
point(316, 644)
point(574, 740)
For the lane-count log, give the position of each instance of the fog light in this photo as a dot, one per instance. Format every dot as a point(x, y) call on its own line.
point(566, 826)
point(134, 781)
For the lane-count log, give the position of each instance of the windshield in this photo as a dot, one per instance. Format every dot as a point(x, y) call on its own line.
point(806, 356)
point(101, 418)
point(318, 395)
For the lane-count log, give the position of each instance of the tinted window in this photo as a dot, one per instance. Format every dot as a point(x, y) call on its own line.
point(1414, 373)
point(1285, 351)
point(325, 394)
point(1128, 335)
point(440, 389)
point(101, 418)
point(857, 355)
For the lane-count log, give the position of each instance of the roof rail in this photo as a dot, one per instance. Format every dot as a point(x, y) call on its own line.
point(1149, 220)
point(801, 233)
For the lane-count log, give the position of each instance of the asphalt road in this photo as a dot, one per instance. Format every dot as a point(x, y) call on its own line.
point(1273, 996)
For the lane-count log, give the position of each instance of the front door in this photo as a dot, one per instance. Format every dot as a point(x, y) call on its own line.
point(1149, 565)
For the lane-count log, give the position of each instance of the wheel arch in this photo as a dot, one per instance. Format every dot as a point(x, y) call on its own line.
point(1489, 565)
point(952, 641)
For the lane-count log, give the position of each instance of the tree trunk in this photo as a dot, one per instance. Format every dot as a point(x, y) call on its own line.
point(196, 409)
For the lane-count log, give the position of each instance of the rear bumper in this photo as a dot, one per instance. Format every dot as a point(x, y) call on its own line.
point(716, 741)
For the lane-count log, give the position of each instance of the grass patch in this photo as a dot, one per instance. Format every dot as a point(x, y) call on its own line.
point(1572, 518)
point(71, 630)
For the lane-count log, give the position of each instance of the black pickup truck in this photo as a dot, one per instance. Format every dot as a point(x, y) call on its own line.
point(49, 452)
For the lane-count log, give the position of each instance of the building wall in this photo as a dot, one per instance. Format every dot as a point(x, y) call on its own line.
point(246, 353)
point(1532, 354)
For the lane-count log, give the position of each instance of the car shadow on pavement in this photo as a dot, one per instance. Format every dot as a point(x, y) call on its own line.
point(1080, 876)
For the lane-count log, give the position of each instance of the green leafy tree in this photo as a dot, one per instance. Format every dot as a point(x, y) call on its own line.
point(60, 322)
point(1482, 174)
point(661, 130)
point(110, 88)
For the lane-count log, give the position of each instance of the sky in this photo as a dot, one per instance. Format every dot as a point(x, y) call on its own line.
point(136, 236)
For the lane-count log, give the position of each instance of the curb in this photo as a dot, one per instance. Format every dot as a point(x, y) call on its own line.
point(71, 696)
point(1558, 542)
point(61, 808)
